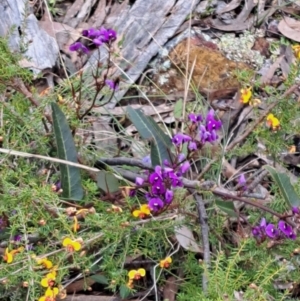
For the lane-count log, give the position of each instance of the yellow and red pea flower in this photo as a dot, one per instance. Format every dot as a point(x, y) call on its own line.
point(136, 274)
point(71, 245)
point(273, 122)
point(50, 294)
point(165, 263)
point(129, 284)
point(45, 262)
point(9, 255)
point(49, 280)
point(142, 212)
point(246, 95)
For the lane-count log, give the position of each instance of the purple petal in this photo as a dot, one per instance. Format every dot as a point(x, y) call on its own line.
point(158, 188)
point(295, 210)
point(156, 204)
point(112, 85)
point(185, 167)
point(195, 118)
point(169, 196)
point(286, 229)
point(180, 138)
point(263, 223)
point(192, 146)
point(271, 231)
point(139, 181)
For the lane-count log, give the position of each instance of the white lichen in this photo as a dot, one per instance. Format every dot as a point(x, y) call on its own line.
point(239, 48)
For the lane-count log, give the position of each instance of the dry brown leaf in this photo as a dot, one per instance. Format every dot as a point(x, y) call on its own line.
point(171, 288)
point(229, 7)
point(290, 28)
point(186, 239)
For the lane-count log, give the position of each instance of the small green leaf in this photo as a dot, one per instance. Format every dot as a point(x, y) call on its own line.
point(178, 108)
point(124, 291)
point(227, 207)
point(284, 184)
point(149, 129)
point(66, 150)
point(107, 181)
point(100, 279)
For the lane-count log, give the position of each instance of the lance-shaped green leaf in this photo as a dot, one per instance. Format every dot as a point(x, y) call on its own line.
point(107, 181)
point(66, 150)
point(149, 129)
point(284, 184)
point(227, 207)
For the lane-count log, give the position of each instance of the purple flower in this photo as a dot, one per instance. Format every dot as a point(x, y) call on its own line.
point(204, 134)
point(286, 229)
point(242, 182)
point(185, 167)
point(169, 196)
point(180, 138)
point(263, 223)
point(295, 210)
point(271, 231)
point(91, 33)
point(256, 231)
point(147, 160)
point(156, 177)
point(158, 188)
point(139, 181)
point(211, 122)
point(78, 46)
point(155, 204)
point(112, 35)
point(112, 84)
point(17, 238)
point(195, 118)
point(192, 146)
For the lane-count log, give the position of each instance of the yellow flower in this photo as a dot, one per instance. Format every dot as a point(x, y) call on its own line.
point(296, 49)
point(9, 255)
point(76, 225)
point(50, 294)
point(49, 280)
point(273, 122)
point(165, 263)
point(246, 95)
point(45, 262)
point(142, 212)
point(71, 245)
point(136, 274)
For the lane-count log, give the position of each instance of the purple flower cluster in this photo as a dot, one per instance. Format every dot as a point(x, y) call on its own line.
point(282, 230)
point(97, 36)
point(162, 183)
point(206, 131)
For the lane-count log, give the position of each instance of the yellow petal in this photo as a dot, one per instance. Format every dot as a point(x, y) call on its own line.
point(47, 263)
point(44, 282)
point(169, 259)
point(145, 209)
point(136, 213)
point(142, 272)
point(67, 241)
point(43, 298)
point(76, 245)
point(131, 274)
point(51, 292)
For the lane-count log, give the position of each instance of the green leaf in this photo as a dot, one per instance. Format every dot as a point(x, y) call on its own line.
point(124, 291)
point(227, 207)
point(284, 184)
point(178, 108)
point(149, 129)
point(66, 150)
point(100, 279)
point(107, 181)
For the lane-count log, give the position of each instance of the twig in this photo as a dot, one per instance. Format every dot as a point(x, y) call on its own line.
point(125, 161)
point(203, 218)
